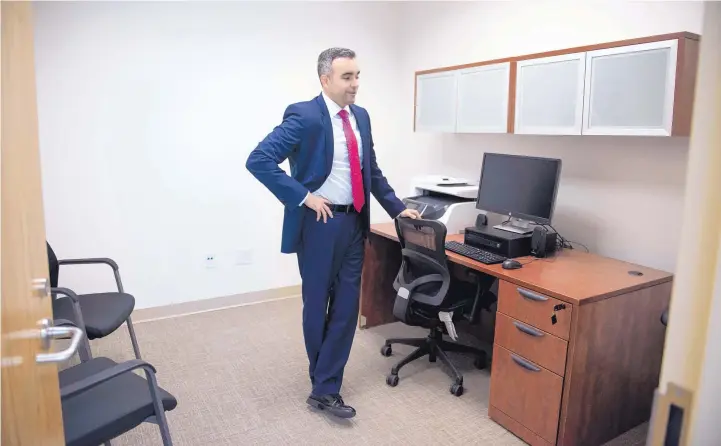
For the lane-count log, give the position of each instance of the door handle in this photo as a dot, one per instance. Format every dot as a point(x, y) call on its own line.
point(48, 333)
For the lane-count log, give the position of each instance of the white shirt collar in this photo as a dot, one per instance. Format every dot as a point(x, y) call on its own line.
point(334, 108)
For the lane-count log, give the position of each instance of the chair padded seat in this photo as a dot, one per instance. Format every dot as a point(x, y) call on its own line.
point(102, 313)
point(108, 410)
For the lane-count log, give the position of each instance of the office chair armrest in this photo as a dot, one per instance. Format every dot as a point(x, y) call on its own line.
point(63, 323)
point(90, 382)
point(433, 300)
point(96, 261)
point(76, 305)
point(90, 261)
point(65, 292)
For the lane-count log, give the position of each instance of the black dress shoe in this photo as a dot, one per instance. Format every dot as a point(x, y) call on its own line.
point(333, 404)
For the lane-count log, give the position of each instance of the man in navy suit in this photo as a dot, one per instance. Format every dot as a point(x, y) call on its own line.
point(329, 145)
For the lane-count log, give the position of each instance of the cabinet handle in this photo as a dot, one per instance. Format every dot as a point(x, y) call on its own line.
point(525, 364)
point(530, 295)
point(528, 330)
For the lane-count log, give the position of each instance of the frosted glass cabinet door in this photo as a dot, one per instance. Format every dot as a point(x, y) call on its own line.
point(436, 102)
point(549, 95)
point(483, 99)
point(630, 90)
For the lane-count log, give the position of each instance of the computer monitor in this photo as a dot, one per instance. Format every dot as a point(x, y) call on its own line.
point(522, 187)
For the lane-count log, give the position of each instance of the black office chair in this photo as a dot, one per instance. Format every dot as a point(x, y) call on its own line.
point(100, 313)
point(424, 289)
point(102, 400)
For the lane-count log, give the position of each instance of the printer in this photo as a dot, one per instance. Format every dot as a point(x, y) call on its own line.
point(452, 201)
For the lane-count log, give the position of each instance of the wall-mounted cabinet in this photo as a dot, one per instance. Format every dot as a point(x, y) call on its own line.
point(470, 100)
point(641, 87)
point(549, 95)
point(436, 102)
point(630, 90)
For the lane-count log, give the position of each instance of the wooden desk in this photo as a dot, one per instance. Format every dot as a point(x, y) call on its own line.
point(582, 381)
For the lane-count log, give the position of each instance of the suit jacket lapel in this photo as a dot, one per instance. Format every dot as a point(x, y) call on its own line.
point(363, 129)
point(328, 132)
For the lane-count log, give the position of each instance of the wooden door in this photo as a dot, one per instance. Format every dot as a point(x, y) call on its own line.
point(630, 90)
point(549, 95)
point(31, 413)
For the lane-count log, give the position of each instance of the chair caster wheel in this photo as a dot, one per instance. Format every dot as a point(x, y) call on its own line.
point(386, 350)
point(457, 389)
point(481, 362)
point(392, 380)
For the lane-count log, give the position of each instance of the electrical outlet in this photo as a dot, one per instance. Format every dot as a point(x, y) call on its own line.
point(211, 261)
point(243, 257)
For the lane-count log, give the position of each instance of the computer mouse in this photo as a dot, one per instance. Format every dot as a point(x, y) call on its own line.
point(511, 264)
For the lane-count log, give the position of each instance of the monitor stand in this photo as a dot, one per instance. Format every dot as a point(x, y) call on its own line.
point(517, 225)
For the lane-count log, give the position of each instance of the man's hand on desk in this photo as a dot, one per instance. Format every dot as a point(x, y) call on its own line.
point(410, 213)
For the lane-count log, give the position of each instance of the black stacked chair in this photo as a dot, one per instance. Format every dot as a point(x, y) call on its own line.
point(102, 399)
point(99, 313)
point(425, 290)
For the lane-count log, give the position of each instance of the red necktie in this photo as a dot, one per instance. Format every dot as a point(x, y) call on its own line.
point(356, 177)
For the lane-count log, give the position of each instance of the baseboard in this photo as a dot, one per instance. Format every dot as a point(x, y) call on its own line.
point(216, 303)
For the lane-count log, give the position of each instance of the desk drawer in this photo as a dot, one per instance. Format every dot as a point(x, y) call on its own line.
point(526, 392)
point(544, 349)
point(534, 308)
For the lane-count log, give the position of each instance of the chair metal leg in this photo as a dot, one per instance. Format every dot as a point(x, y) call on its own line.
point(133, 339)
point(418, 353)
point(413, 342)
point(444, 359)
point(85, 353)
point(159, 410)
point(459, 348)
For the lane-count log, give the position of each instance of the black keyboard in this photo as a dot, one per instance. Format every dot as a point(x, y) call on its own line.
point(474, 253)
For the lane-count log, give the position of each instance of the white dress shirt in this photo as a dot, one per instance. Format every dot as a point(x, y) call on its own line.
point(337, 187)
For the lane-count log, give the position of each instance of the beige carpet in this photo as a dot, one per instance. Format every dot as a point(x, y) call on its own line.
point(240, 378)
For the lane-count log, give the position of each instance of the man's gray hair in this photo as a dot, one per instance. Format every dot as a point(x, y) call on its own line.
point(326, 58)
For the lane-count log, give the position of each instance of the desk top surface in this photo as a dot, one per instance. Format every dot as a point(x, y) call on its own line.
point(570, 275)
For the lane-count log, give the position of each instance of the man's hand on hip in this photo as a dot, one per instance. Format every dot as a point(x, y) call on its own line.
point(410, 213)
point(320, 206)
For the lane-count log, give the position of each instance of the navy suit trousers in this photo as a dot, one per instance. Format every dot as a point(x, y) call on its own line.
point(330, 259)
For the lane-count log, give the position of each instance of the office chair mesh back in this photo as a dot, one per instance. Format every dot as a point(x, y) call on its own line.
point(424, 275)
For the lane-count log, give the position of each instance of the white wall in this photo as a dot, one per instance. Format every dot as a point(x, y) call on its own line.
point(147, 114)
point(149, 110)
point(620, 196)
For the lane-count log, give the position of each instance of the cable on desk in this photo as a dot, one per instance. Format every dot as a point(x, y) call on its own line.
point(562, 242)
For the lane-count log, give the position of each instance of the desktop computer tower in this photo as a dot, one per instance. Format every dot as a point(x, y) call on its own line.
point(504, 243)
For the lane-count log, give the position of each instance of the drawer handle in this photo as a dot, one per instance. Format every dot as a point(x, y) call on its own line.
point(530, 295)
point(528, 330)
point(525, 364)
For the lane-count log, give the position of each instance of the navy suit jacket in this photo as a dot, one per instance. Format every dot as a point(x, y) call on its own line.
point(305, 138)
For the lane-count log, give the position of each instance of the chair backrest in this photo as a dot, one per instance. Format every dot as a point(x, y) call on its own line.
point(424, 270)
point(426, 237)
point(53, 266)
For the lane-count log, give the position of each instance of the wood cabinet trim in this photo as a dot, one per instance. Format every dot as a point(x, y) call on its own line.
point(511, 125)
point(686, 66)
point(579, 49)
